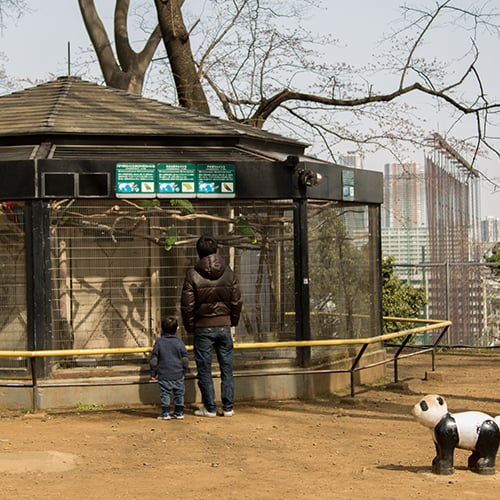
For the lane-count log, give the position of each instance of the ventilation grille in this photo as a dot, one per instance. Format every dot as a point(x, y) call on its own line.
point(153, 154)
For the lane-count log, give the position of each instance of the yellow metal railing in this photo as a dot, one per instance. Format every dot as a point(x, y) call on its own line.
point(432, 325)
point(404, 335)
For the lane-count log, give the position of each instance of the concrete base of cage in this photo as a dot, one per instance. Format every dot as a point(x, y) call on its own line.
point(250, 385)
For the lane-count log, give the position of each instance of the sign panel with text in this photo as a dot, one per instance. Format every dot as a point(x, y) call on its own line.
point(136, 180)
point(176, 180)
point(216, 180)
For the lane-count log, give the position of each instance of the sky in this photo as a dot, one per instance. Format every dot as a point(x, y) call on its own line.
point(35, 48)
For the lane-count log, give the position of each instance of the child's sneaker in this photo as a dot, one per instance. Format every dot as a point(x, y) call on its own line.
point(228, 413)
point(178, 416)
point(205, 413)
point(164, 417)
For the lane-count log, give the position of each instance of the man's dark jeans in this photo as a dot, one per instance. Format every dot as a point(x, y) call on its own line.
point(218, 338)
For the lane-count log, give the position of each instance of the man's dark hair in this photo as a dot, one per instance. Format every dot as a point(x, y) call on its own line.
point(168, 325)
point(206, 245)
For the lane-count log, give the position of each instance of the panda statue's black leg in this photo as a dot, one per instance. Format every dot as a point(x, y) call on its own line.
point(446, 440)
point(472, 460)
point(443, 462)
point(487, 445)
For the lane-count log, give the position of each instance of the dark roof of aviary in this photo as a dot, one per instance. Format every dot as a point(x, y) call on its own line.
point(71, 106)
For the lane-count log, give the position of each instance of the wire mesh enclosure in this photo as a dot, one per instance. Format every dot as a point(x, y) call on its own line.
point(117, 266)
point(342, 268)
point(13, 320)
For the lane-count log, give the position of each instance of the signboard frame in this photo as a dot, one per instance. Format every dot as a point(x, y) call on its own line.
point(136, 180)
point(175, 180)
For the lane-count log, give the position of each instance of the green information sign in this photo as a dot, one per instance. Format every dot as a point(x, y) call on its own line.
point(216, 180)
point(176, 180)
point(136, 180)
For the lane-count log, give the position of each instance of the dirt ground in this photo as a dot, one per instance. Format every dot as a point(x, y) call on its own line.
point(368, 446)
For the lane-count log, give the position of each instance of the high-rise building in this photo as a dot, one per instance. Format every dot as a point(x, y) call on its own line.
point(456, 290)
point(490, 230)
point(352, 159)
point(430, 225)
point(404, 196)
point(404, 223)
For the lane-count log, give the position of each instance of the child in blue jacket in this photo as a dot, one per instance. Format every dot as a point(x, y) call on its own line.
point(169, 363)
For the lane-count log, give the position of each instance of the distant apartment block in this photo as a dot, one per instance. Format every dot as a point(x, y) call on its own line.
point(352, 159)
point(404, 223)
point(404, 196)
point(490, 230)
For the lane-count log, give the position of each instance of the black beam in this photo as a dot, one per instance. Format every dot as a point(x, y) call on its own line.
point(38, 275)
point(301, 268)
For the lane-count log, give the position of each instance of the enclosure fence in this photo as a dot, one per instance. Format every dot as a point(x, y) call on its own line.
point(110, 269)
point(465, 293)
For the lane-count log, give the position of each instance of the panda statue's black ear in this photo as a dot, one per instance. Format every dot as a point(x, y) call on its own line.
point(440, 400)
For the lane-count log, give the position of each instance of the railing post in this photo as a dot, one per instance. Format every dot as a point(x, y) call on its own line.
point(435, 344)
point(398, 352)
point(34, 383)
point(355, 365)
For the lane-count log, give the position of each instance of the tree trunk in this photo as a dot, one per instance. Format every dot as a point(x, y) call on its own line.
point(176, 39)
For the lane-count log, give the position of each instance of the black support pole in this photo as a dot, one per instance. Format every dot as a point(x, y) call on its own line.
point(301, 259)
point(38, 279)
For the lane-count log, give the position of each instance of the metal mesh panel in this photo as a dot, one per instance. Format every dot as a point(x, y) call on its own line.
point(13, 321)
point(466, 293)
point(341, 247)
point(118, 266)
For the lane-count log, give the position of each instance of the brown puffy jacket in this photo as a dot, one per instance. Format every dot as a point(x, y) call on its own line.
point(210, 295)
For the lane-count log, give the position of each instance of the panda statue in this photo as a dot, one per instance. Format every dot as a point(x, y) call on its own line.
point(469, 430)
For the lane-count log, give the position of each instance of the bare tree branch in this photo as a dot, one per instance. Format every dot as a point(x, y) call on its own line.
point(258, 65)
point(128, 72)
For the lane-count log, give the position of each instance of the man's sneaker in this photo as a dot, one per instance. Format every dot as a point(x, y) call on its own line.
point(178, 417)
point(164, 417)
point(205, 413)
point(228, 413)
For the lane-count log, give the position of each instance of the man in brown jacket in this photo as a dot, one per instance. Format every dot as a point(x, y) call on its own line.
point(210, 306)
